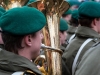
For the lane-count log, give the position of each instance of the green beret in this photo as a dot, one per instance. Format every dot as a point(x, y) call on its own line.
point(1, 13)
point(22, 21)
point(2, 9)
point(68, 12)
point(75, 14)
point(63, 25)
point(90, 9)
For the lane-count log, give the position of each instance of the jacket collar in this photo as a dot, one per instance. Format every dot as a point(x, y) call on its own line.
point(86, 32)
point(12, 62)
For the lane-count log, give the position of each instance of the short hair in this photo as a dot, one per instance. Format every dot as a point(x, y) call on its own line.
point(13, 43)
point(62, 31)
point(86, 21)
point(74, 22)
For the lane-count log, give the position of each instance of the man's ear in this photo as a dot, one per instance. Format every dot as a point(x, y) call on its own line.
point(28, 40)
point(94, 23)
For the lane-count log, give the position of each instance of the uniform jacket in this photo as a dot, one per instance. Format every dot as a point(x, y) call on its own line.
point(10, 63)
point(90, 63)
point(82, 34)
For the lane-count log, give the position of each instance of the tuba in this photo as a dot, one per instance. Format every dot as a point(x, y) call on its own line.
point(52, 9)
point(8, 4)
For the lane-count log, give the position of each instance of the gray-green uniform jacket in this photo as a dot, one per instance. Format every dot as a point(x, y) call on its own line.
point(10, 63)
point(90, 63)
point(71, 31)
point(82, 34)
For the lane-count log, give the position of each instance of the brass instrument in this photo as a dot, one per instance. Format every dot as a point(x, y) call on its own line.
point(8, 4)
point(53, 9)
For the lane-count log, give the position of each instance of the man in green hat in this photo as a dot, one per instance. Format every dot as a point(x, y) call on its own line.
point(62, 33)
point(87, 34)
point(70, 35)
point(21, 33)
point(89, 64)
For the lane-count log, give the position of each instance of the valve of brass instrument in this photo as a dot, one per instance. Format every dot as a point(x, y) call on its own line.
point(41, 64)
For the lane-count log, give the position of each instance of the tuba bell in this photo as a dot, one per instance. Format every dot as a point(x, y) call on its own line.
point(8, 4)
point(52, 9)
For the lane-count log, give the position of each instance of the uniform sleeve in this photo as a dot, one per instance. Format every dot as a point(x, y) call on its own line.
point(90, 63)
point(65, 70)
